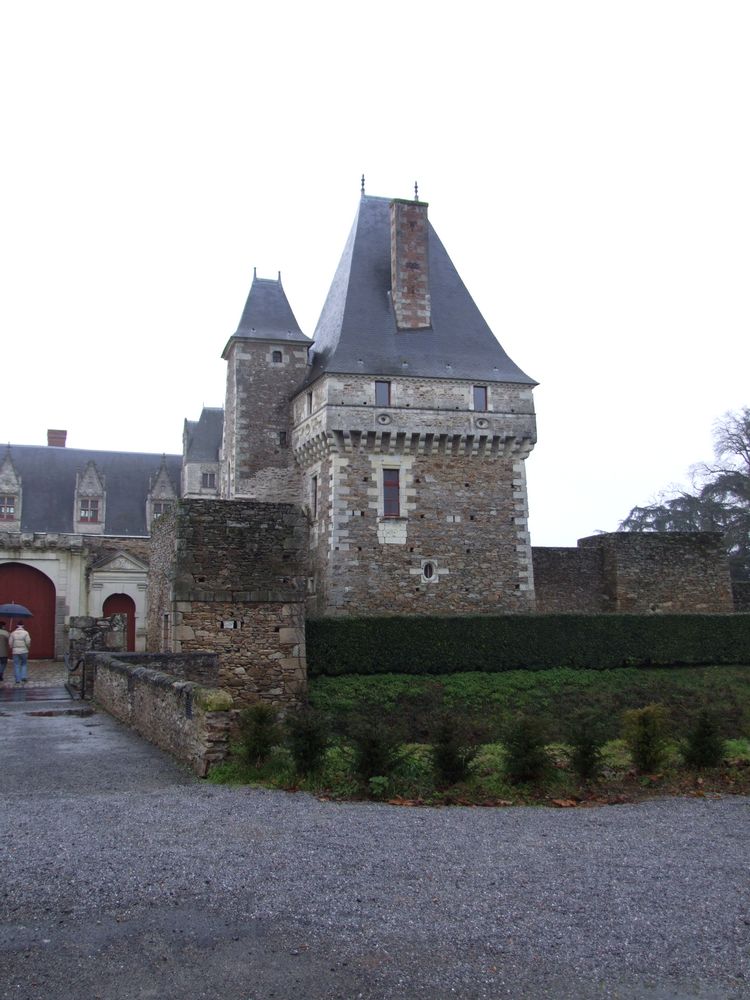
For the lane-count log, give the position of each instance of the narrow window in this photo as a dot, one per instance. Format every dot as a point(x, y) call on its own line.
point(208, 480)
point(89, 511)
point(382, 393)
point(276, 357)
point(480, 397)
point(314, 497)
point(282, 439)
point(160, 507)
point(309, 403)
point(391, 499)
point(7, 508)
point(428, 570)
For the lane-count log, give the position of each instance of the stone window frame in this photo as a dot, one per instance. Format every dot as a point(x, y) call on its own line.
point(8, 507)
point(485, 394)
point(433, 576)
point(159, 507)
point(383, 392)
point(404, 463)
point(277, 357)
point(208, 480)
point(388, 488)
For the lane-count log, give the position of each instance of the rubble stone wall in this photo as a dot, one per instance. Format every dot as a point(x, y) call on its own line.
point(187, 720)
point(230, 579)
point(660, 572)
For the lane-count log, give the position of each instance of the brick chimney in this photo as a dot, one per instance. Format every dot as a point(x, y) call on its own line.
point(410, 275)
point(56, 439)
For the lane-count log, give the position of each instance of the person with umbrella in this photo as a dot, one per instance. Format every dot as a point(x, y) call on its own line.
point(3, 649)
point(19, 642)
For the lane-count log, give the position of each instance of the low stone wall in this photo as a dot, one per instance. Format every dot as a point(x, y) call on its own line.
point(188, 720)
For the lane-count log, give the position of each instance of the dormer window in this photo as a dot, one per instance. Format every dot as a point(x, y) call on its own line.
point(480, 397)
point(382, 393)
point(7, 508)
point(89, 510)
point(277, 357)
point(208, 480)
point(160, 507)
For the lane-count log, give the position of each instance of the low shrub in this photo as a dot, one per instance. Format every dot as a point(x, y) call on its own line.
point(526, 759)
point(646, 733)
point(585, 740)
point(259, 732)
point(308, 736)
point(704, 746)
point(375, 743)
point(452, 750)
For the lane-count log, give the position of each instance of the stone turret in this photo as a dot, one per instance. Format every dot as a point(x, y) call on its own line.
point(267, 362)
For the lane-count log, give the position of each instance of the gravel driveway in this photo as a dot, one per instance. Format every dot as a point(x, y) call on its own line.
point(122, 876)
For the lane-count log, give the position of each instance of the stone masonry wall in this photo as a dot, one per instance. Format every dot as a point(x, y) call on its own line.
point(231, 578)
point(464, 516)
point(664, 572)
point(257, 416)
point(567, 579)
point(189, 721)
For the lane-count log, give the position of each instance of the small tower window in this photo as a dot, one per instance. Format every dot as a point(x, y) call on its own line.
point(208, 480)
point(309, 403)
point(314, 497)
point(282, 439)
point(161, 507)
point(391, 493)
point(480, 397)
point(382, 393)
point(277, 357)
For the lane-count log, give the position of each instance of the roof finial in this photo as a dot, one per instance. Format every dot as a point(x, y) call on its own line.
point(416, 191)
point(363, 184)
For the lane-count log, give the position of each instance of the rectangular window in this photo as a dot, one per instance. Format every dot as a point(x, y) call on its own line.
point(314, 497)
point(89, 511)
point(382, 393)
point(480, 397)
point(391, 497)
point(277, 357)
point(282, 439)
point(7, 508)
point(208, 480)
point(309, 403)
point(160, 507)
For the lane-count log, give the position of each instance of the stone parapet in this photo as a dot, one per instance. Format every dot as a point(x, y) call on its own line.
point(189, 721)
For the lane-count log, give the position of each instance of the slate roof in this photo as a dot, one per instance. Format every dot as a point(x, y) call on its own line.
point(357, 329)
point(202, 437)
point(48, 481)
point(268, 315)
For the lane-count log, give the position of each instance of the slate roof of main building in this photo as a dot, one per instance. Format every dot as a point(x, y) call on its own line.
point(48, 483)
point(357, 331)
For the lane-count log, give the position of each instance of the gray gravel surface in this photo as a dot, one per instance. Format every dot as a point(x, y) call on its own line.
point(124, 877)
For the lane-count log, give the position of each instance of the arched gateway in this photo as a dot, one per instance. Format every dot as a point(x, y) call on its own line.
point(25, 585)
point(121, 604)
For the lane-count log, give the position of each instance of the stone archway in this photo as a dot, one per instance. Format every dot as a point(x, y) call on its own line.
point(26, 585)
point(121, 604)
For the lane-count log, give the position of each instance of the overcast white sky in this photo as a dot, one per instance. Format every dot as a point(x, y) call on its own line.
point(587, 165)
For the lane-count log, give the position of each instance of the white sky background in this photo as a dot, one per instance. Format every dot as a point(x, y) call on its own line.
point(587, 166)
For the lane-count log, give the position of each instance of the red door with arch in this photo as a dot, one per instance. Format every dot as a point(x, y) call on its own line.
point(121, 604)
point(22, 584)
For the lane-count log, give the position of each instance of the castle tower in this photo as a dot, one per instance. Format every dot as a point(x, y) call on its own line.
point(412, 429)
point(267, 361)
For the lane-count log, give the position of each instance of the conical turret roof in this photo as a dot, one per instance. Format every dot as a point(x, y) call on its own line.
point(357, 330)
point(267, 315)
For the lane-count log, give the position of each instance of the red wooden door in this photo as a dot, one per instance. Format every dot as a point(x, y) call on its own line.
point(21, 584)
point(121, 604)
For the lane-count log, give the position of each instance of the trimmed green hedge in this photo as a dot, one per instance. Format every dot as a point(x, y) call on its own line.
point(452, 645)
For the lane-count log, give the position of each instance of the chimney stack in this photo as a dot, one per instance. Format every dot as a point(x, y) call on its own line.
point(410, 276)
point(56, 439)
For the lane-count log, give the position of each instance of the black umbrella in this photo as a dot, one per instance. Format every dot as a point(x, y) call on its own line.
point(15, 611)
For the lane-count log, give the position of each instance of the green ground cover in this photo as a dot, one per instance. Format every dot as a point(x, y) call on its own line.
point(502, 739)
